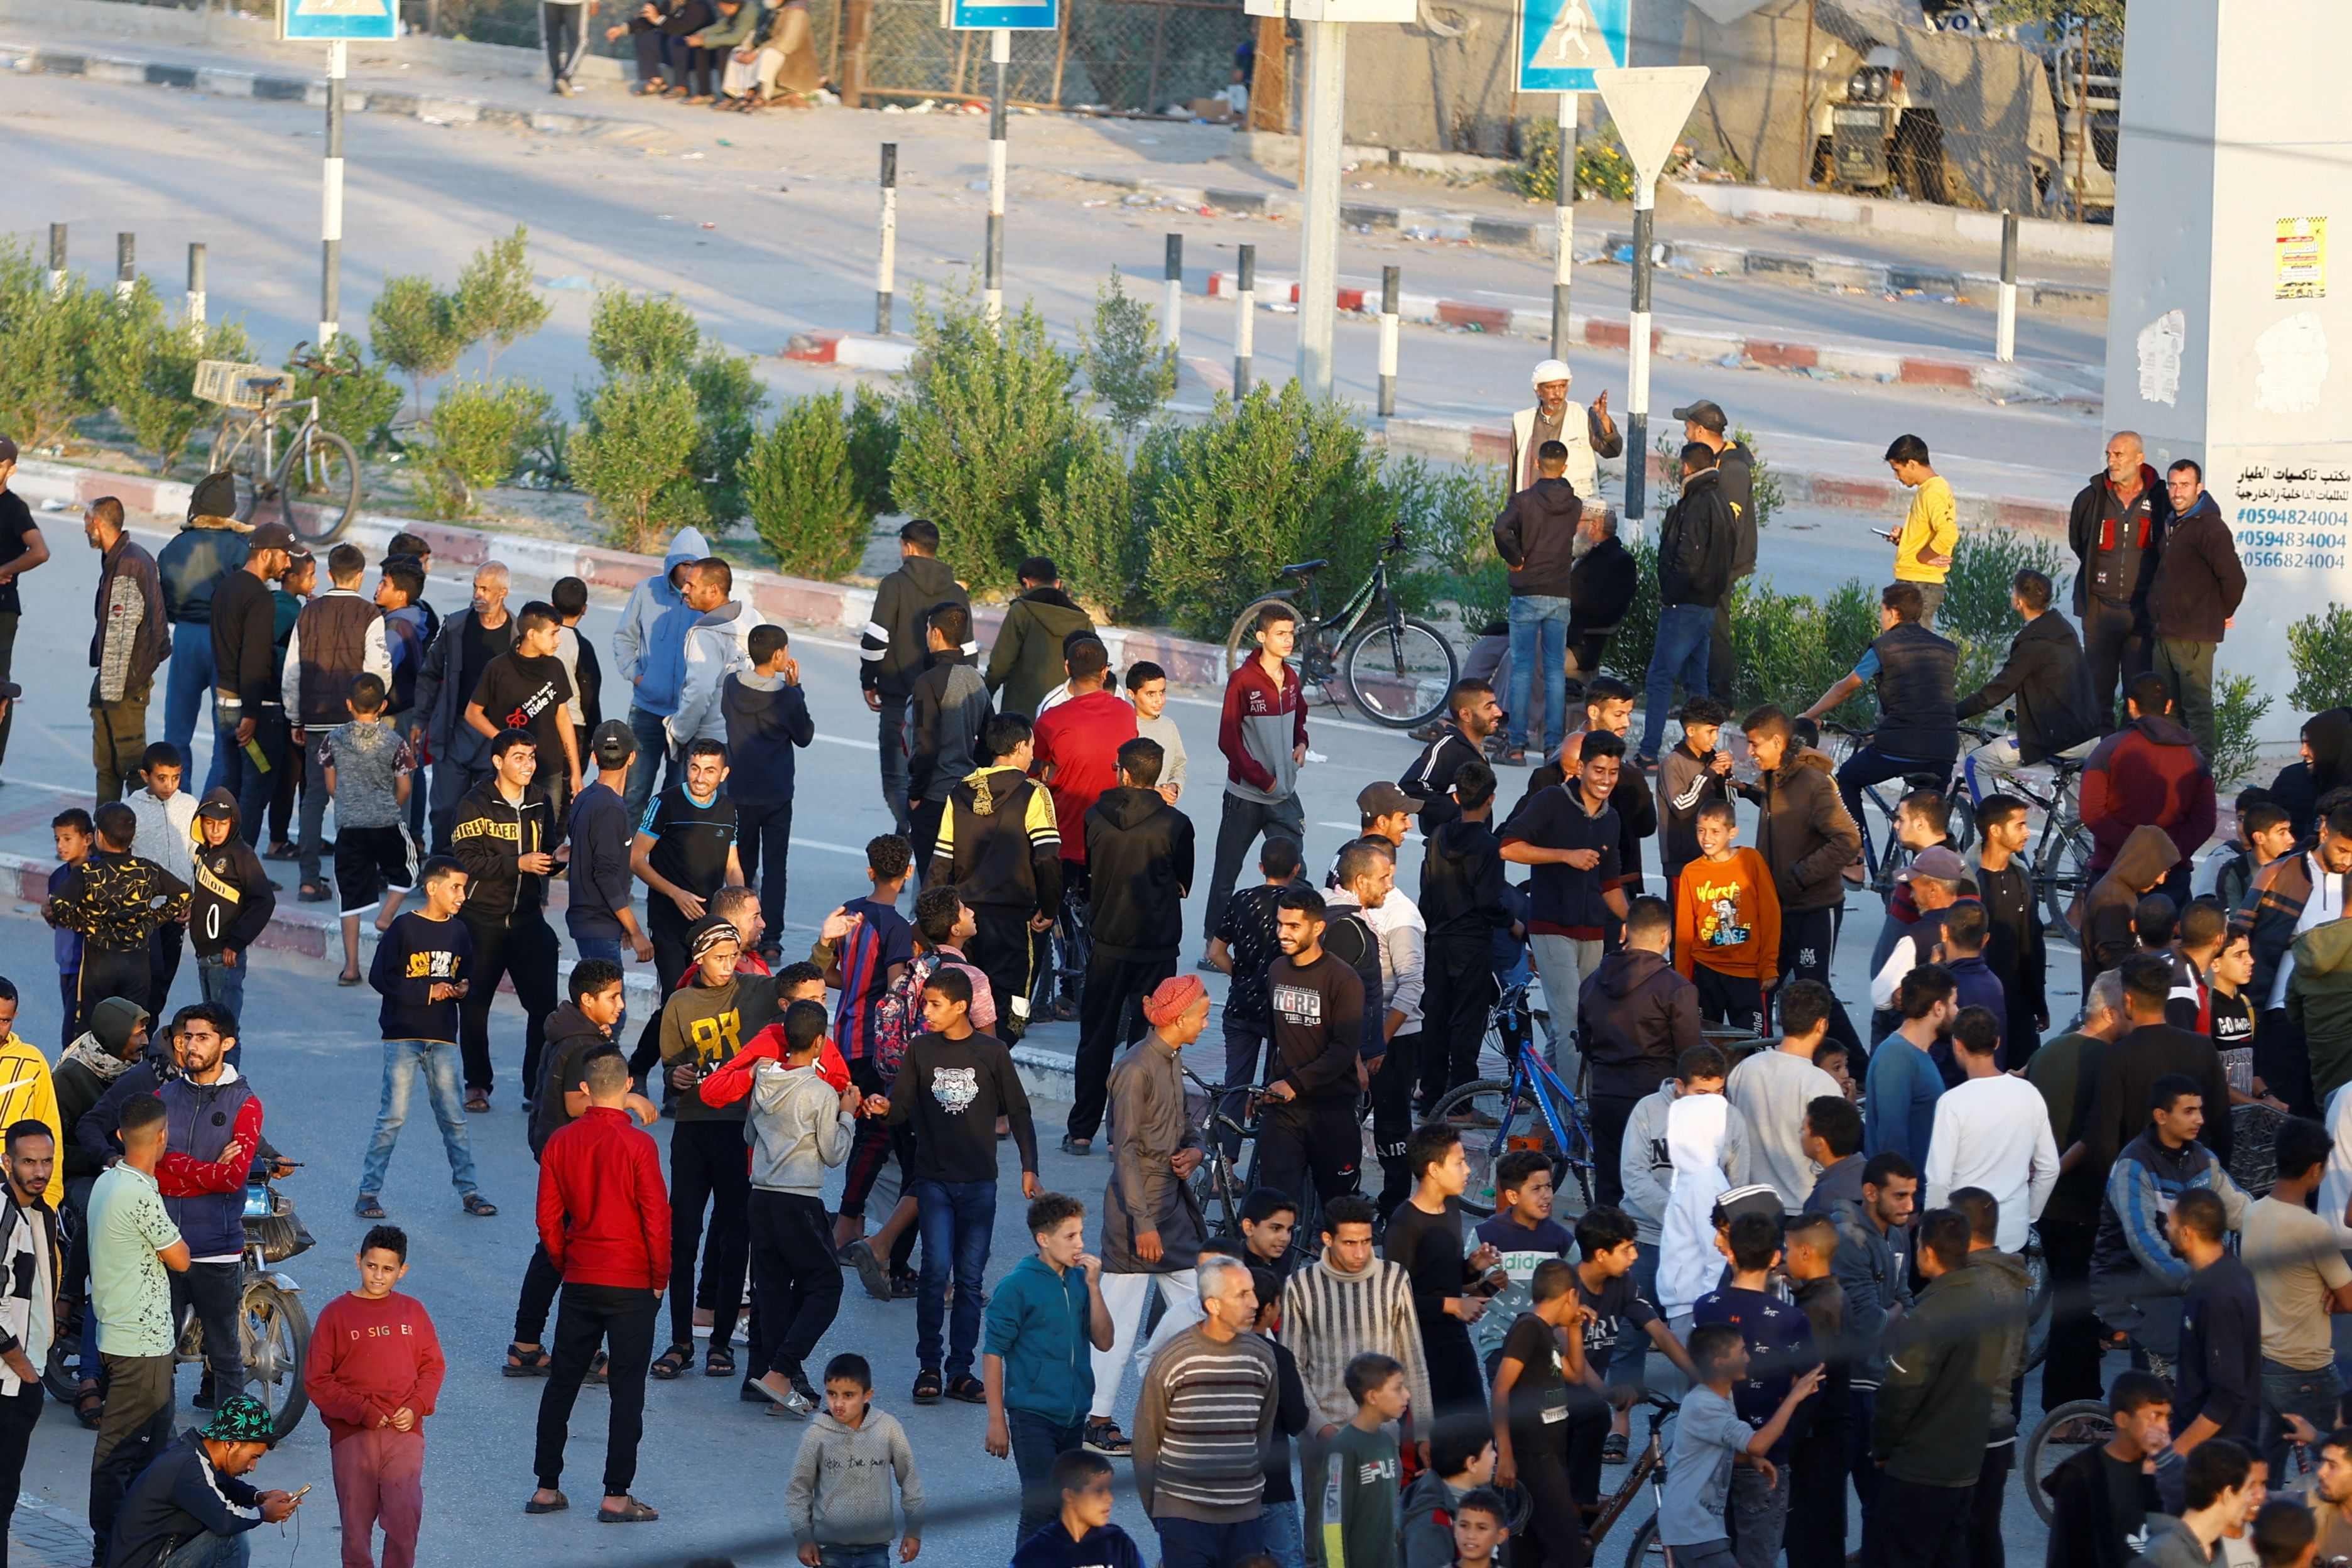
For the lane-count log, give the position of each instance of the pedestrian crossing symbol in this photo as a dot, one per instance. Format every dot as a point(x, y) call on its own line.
point(328, 19)
point(1562, 42)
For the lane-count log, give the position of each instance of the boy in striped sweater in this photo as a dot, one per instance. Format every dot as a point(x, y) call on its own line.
point(1202, 1423)
point(1344, 1304)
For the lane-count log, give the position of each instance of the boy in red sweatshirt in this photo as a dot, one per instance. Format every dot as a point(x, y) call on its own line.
point(604, 1218)
point(374, 1373)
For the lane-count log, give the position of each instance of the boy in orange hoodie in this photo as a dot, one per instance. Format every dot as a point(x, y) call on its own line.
point(1727, 923)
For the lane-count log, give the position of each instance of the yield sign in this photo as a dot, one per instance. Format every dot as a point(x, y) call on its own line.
point(1650, 106)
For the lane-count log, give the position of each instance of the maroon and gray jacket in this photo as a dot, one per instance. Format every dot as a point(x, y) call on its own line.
point(2117, 544)
point(131, 637)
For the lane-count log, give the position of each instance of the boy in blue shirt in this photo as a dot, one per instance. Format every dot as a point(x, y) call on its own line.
point(1084, 1536)
point(1898, 1105)
point(1041, 1320)
point(1710, 1439)
point(1778, 1338)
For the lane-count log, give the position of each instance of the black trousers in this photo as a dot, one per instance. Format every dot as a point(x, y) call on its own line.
point(924, 835)
point(565, 27)
point(1807, 945)
point(216, 1291)
point(1588, 1435)
point(524, 953)
point(1317, 1141)
point(539, 1283)
point(665, 927)
point(1110, 1018)
point(164, 950)
point(621, 1320)
point(1553, 1535)
point(2071, 1370)
point(763, 840)
point(1984, 1508)
point(1457, 989)
point(706, 1165)
point(19, 1413)
point(1734, 1000)
point(799, 1278)
point(1815, 1536)
point(1003, 948)
point(1237, 829)
point(2116, 643)
point(105, 972)
point(1920, 1526)
point(1393, 1118)
point(1610, 1114)
point(2282, 1057)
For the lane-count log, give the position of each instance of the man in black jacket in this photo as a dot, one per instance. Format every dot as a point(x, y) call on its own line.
point(1140, 849)
point(999, 844)
point(131, 639)
point(893, 650)
point(951, 709)
point(1471, 717)
point(1704, 422)
point(504, 836)
point(1601, 589)
point(2116, 529)
point(1914, 671)
point(2047, 680)
point(1935, 1410)
point(1695, 550)
point(1535, 537)
point(1462, 895)
point(247, 706)
point(1637, 1016)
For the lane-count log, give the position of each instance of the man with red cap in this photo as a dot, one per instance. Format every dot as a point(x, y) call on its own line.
point(1151, 1230)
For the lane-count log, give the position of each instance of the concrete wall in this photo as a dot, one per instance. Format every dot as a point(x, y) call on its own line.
point(256, 37)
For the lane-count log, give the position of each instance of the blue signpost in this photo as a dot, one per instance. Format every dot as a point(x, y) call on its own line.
point(977, 15)
point(997, 21)
point(332, 20)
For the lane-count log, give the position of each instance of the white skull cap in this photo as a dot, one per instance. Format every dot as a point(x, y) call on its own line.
point(1550, 370)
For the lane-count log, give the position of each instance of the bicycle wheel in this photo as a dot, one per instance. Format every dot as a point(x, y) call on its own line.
point(2063, 876)
point(1241, 642)
point(2044, 1452)
point(1397, 672)
point(1647, 1550)
point(1478, 1109)
point(229, 454)
point(61, 1368)
point(318, 487)
point(274, 1331)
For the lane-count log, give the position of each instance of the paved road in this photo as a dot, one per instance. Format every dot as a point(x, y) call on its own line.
point(790, 243)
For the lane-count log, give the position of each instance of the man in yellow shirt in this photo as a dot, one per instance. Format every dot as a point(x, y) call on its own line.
point(26, 1091)
point(1924, 545)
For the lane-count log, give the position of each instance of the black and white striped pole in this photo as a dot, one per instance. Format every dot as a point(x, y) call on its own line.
point(126, 265)
point(1388, 280)
point(2004, 342)
point(1171, 305)
point(56, 260)
point(1564, 222)
point(886, 266)
point(1245, 324)
point(1000, 56)
point(196, 284)
point(330, 221)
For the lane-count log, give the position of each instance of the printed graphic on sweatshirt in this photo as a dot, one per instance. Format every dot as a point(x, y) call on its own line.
point(532, 705)
point(955, 1089)
point(438, 964)
point(716, 1039)
point(1298, 1004)
point(1719, 908)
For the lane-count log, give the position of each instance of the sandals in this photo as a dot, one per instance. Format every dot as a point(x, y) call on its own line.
point(927, 1386)
point(522, 1363)
point(719, 1362)
point(314, 892)
point(479, 1206)
point(558, 1506)
point(597, 1368)
point(368, 1207)
point(90, 1405)
point(632, 1511)
point(351, 977)
point(968, 1390)
point(477, 1102)
point(672, 1362)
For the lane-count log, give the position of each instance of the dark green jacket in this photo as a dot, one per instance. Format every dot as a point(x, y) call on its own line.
point(2319, 1002)
point(1026, 662)
point(1935, 1407)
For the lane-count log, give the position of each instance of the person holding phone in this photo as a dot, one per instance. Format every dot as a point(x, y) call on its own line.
point(1930, 531)
point(190, 1506)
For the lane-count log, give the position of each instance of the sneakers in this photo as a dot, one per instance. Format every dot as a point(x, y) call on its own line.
point(1104, 1437)
point(872, 1272)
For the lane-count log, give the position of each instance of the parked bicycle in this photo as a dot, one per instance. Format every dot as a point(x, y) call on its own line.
point(1396, 669)
point(313, 485)
point(1060, 972)
point(1533, 1109)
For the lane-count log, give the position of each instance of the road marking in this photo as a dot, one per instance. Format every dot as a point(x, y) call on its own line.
point(830, 848)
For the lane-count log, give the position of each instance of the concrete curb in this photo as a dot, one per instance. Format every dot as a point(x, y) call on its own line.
point(433, 109)
point(852, 350)
point(2008, 382)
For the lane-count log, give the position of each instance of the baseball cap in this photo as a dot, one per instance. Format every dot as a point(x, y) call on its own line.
point(271, 536)
point(1384, 799)
point(614, 743)
point(1754, 1198)
point(1937, 864)
point(7, 450)
point(219, 806)
point(1706, 415)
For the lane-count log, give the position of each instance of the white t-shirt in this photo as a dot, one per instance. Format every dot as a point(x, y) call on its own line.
point(1993, 1133)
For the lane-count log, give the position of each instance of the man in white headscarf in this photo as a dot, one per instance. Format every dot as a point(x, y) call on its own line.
point(1589, 434)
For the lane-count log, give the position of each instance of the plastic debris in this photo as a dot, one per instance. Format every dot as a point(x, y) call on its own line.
point(571, 283)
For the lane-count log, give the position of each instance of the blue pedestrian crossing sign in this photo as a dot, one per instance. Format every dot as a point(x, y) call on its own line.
point(330, 19)
point(1562, 42)
point(971, 15)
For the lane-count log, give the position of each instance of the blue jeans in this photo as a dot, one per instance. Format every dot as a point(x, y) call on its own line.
point(187, 690)
point(1684, 633)
point(1869, 766)
point(252, 786)
point(212, 1552)
point(403, 1061)
point(956, 1220)
point(1538, 663)
point(1037, 1442)
point(877, 1556)
point(1278, 1532)
point(224, 984)
point(1629, 1360)
point(2287, 1392)
point(1189, 1544)
point(651, 762)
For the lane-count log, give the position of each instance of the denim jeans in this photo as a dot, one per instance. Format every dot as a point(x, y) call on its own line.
point(1628, 1362)
point(224, 984)
point(1759, 1515)
point(875, 1556)
point(1869, 766)
point(253, 786)
point(212, 1552)
point(956, 1220)
point(651, 765)
point(890, 742)
point(1538, 667)
point(1037, 1442)
point(1684, 633)
point(2287, 1392)
point(437, 1061)
point(187, 693)
point(1278, 1532)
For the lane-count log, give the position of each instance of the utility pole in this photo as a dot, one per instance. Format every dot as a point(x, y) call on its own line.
point(1000, 56)
point(886, 266)
point(330, 220)
point(1564, 218)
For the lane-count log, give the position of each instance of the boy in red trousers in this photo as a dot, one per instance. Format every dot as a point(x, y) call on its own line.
point(374, 1373)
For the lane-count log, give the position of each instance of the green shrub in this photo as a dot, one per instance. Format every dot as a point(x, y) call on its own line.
point(633, 334)
point(1448, 516)
point(985, 423)
point(45, 372)
point(1127, 365)
point(356, 400)
point(1602, 169)
point(1766, 489)
point(797, 480)
point(145, 368)
point(414, 326)
point(476, 437)
point(1667, 485)
point(1627, 655)
point(1792, 648)
point(495, 304)
point(873, 449)
point(2321, 647)
point(1087, 521)
point(2237, 716)
point(1275, 479)
point(631, 454)
point(728, 398)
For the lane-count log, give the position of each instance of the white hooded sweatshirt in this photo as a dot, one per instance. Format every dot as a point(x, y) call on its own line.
point(1697, 1125)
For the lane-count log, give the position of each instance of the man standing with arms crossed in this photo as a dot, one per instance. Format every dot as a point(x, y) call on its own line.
point(1262, 733)
point(2193, 597)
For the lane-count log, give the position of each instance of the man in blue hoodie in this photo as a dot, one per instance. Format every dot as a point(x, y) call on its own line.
point(649, 649)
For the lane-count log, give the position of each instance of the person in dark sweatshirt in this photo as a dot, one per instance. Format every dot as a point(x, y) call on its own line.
point(195, 1494)
point(2149, 1052)
point(1140, 851)
point(893, 650)
point(1025, 663)
point(768, 724)
point(598, 914)
point(423, 964)
point(1462, 903)
point(114, 900)
point(2149, 773)
point(247, 706)
point(2143, 864)
point(1000, 843)
point(207, 548)
point(1535, 537)
point(2219, 1388)
point(504, 835)
point(1933, 1412)
point(231, 900)
point(951, 710)
point(1638, 1016)
point(1695, 547)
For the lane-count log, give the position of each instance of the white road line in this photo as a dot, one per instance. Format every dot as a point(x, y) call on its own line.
point(830, 848)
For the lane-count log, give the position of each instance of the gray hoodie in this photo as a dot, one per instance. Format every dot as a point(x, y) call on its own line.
point(649, 645)
point(796, 1130)
point(839, 1494)
point(2173, 1544)
point(716, 645)
point(1648, 1172)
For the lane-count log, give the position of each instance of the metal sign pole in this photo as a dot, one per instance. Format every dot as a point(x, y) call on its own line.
point(886, 266)
point(1000, 55)
point(1245, 324)
point(1564, 215)
point(1390, 277)
point(1318, 267)
point(331, 226)
point(126, 265)
point(1172, 306)
point(196, 284)
point(2005, 330)
point(1637, 343)
point(56, 260)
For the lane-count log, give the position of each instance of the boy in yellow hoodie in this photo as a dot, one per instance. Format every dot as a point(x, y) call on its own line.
point(1726, 923)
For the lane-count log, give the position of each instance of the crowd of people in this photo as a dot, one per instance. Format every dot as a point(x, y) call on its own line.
point(1818, 1228)
point(739, 56)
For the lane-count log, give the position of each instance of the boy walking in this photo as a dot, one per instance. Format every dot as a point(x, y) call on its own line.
point(1727, 923)
point(369, 771)
point(423, 969)
point(1360, 1483)
point(1534, 1384)
point(1709, 1436)
point(375, 1372)
point(838, 1499)
point(1046, 1315)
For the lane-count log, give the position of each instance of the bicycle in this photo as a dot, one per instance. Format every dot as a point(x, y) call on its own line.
point(1882, 858)
point(1649, 1466)
point(1396, 669)
point(1060, 975)
point(1217, 1182)
point(2060, 854)
point(1560, 1130)
point(313, 487)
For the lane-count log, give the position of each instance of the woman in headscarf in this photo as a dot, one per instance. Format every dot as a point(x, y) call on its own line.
point(2327, 764)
